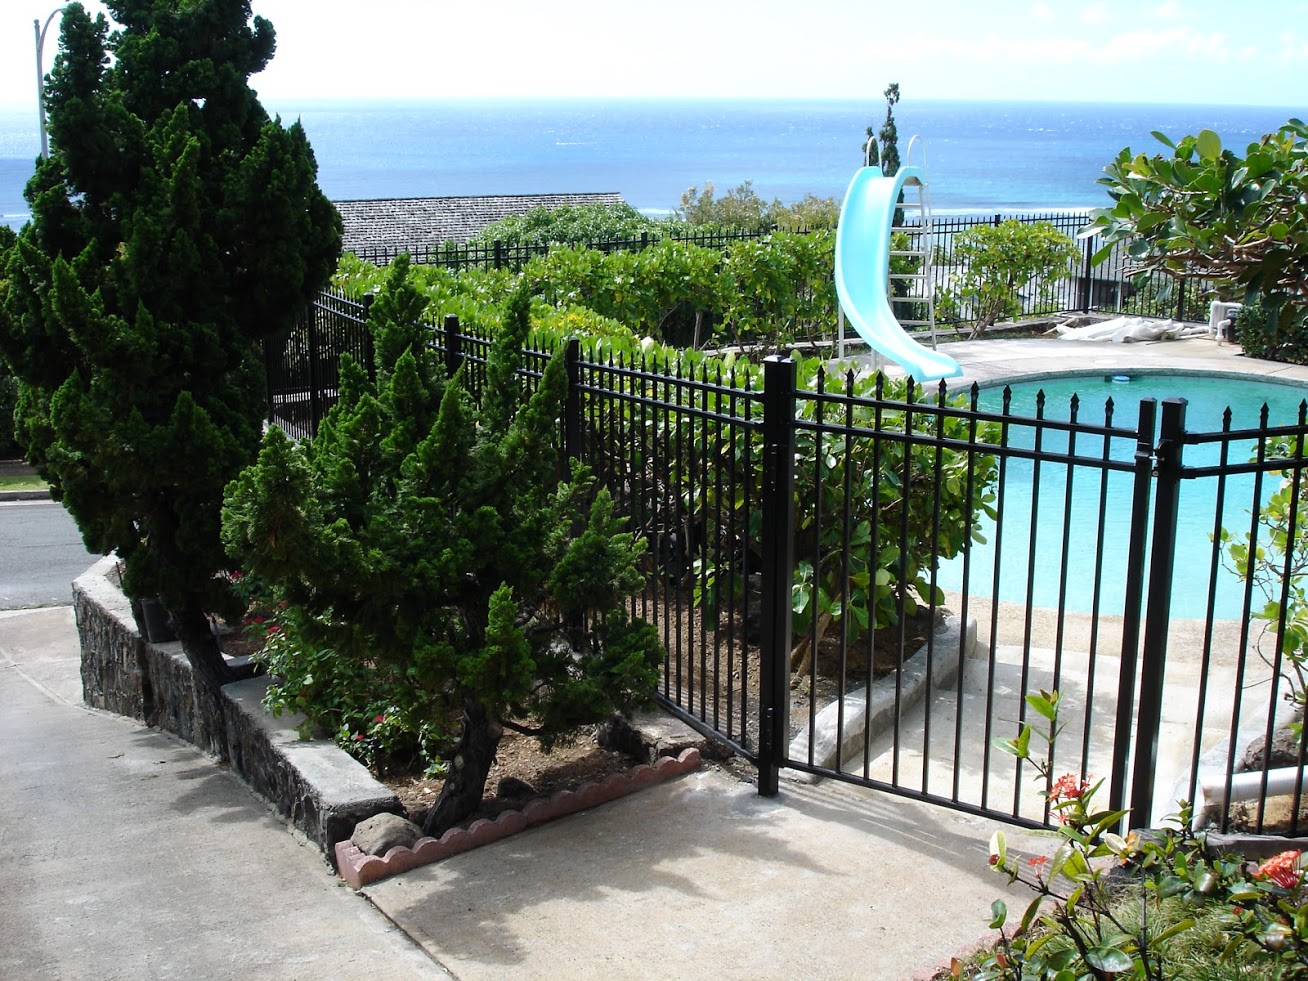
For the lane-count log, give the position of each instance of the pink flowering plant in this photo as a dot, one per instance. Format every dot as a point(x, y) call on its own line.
point(1108, 906)
point(1269, 912)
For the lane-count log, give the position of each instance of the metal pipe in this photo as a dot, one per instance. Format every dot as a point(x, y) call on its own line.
point(40, 79)
point(1249, 786)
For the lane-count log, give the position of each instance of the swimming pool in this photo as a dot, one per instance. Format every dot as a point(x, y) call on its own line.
point(1208, 397)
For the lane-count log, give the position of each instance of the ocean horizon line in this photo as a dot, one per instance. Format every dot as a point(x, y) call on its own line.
point(29, 105)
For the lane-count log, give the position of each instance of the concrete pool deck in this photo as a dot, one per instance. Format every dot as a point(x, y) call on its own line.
point(990, 361)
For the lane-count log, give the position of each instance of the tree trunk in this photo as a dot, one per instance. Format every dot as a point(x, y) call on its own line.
point(801, 655)
point(466, 782)
point(201, 648)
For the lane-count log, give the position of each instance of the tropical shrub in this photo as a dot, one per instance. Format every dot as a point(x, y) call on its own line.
point(1267, 331)
point(779, 290)
point(909, 505)
point(998, 264)
point(741, 209)
point(428, 540)
point(1205, 212)
point(571, 223)
point(772, 291)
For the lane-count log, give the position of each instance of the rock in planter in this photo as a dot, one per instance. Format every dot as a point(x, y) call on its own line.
point(1285, 751)
point(511, 788)
point(380, 833)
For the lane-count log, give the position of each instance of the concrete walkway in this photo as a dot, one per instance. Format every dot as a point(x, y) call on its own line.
point(701, 877)
point(128, 855)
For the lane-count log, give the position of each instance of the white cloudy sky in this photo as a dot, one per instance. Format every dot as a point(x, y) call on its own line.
point(1202, 51)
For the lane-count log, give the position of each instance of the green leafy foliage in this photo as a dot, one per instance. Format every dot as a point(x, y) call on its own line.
point(571, 223)
point(430, 542)
point(1251, 330)
point(1178, 912)
point(998, 264)
point(8, 383)
point(865, 572)
point(173, 226)
point(775, 290)
point(741, 208)
point(1202, 211)
point(1276, 561)
point(887, 486)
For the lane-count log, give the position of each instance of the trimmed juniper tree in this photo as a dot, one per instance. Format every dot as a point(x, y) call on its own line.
point(884, 143)
point(427, 541)
point(174, 225)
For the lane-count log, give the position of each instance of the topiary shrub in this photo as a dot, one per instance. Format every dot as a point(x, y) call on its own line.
point(1263, 332)
point(428, 544)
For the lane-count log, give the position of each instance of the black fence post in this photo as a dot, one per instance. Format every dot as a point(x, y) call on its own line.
point(1167, 470)
point(315, 376)
point(572, 404)
point(369, 351)
point(453, 345)
point(1180, 299)
point(1132, 610)
point(499, 253)
point(778, 505)
point(1086, 284)
point(269, 376)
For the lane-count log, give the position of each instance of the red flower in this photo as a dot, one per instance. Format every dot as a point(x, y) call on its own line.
point(1037, 860)
point(1067, 787)
point(358, 736)
point(380, 718)
point(1282, 869)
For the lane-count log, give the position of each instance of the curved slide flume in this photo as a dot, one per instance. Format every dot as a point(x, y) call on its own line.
point(862, 269)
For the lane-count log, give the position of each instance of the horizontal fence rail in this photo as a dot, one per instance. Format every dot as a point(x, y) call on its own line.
point(861, 580)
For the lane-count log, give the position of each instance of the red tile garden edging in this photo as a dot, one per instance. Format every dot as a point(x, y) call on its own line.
point(359, 869)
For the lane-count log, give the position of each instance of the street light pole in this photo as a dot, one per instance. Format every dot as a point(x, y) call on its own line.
point(40, 78)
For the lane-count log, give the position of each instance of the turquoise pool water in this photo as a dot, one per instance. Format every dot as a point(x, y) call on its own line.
point(1208, 397)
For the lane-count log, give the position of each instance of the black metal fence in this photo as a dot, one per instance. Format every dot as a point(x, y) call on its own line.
point(779, 516)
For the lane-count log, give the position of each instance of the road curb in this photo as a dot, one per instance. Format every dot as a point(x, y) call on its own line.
point(7, 497)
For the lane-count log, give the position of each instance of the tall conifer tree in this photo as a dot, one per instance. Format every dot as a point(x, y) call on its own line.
point(174, 225)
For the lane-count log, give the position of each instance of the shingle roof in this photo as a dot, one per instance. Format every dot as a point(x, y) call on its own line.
point(396, 224)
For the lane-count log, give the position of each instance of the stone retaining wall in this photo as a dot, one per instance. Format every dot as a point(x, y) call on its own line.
point(318, 788)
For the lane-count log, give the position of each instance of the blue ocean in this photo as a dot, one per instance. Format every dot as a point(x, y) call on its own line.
point(982, 157)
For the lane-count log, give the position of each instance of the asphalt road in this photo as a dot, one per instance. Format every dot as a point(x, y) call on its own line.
point(41, 553)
